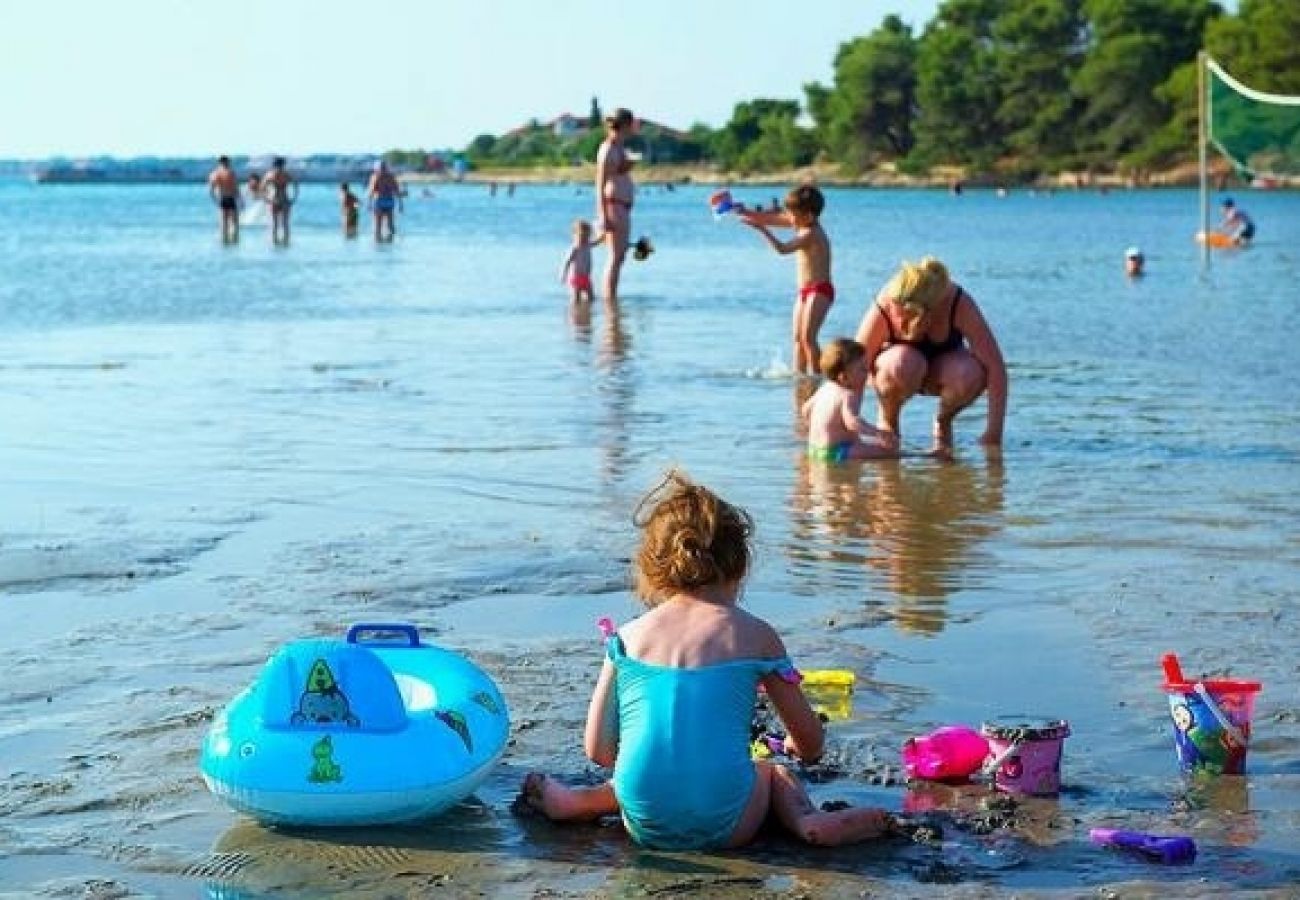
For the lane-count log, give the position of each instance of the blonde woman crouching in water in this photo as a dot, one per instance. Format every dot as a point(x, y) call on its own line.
point(672, 707)
point(925, 335)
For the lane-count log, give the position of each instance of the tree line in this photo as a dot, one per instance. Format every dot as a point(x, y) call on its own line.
point(1014, 87)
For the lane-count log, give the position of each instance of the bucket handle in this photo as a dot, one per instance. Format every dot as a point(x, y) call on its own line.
point(377, 629)
point(990, 768)
point(1215, 710)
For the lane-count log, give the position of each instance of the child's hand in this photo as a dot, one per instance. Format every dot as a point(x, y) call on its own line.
point(887, 438)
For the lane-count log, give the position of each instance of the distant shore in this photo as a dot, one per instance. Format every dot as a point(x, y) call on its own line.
point(832, 175)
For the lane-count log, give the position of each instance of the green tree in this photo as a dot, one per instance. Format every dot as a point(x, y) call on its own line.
point(1040, 44)
point(781, 143)
point(1137, 45)
point(957, 86)
point(1260, 45)
point(868, 113)
point(745, 128)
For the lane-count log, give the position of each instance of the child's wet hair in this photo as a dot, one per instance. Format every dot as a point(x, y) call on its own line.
point(581, 226)
point(690, 538)
point(805, 199)
point(838, 355)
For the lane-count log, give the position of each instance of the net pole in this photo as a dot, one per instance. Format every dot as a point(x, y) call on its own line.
point(1202, 120)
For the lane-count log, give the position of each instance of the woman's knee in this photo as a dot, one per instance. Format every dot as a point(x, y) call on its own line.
point(962, 382)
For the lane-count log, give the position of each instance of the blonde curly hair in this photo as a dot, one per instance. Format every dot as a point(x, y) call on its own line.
point(921, 285)
point(691, 538)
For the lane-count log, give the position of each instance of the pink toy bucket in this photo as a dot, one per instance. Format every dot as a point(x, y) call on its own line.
point(1212, 723)
point(1026, 753)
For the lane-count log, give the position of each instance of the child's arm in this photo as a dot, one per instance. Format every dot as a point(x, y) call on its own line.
point(853, 421)
point(798, 242)
point(805, 735)
point(805, 411)
point(770, 219)
point(600, 740)
point(568, 261)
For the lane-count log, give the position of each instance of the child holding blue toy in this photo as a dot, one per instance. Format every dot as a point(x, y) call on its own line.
point(812, 252)
point(672, 707)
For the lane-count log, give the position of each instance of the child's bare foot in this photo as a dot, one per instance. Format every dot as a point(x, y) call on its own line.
point(532, 796)
point(561, 803)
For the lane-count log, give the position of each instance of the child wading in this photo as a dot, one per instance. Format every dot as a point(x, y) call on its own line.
point(812, 250)
point(672, 707)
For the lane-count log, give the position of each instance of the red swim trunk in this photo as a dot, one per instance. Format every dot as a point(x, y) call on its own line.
point(817, 289)
point(580, 282)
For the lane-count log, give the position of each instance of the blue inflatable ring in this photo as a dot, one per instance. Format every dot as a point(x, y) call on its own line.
point(374, 729)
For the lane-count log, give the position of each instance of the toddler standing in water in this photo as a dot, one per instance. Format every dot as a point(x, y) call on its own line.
point(812, 250)
point(836, 429)
point(577, 265)
point(672, 707)
point(350, 207)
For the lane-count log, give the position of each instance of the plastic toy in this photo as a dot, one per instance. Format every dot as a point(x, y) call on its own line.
point(722, 203)
point(951, 752)
point(1157, 848)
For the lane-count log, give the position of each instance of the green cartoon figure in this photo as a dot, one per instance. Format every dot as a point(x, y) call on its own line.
point(324, 770)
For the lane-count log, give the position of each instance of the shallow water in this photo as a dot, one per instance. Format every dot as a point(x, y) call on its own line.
point(207, 451)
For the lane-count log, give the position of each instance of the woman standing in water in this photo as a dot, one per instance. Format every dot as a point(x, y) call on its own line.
point(614, 192)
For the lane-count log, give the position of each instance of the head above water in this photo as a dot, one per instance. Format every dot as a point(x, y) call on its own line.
point(223, 161)
point(805, 199)
point(690, 538)
point(919, 286)
point(1227, 203)
point(838, 355)
point(278, 163)
point(1133, 253)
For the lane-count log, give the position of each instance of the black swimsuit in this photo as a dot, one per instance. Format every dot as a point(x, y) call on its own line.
point(928, 347)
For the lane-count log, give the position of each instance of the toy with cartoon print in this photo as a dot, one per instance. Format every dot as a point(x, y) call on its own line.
point(374, 729)
point(1211, 718)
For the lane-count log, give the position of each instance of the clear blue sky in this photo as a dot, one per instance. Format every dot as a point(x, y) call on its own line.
point(200, 77)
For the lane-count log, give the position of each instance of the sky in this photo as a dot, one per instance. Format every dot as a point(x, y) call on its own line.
point(203, 77)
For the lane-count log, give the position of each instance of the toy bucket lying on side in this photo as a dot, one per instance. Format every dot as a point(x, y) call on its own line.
point(951, 753)
point(1026, 753)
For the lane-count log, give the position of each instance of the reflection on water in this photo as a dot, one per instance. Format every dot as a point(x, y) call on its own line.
point(1227, 799)
point(615, 390)
point(913, 529)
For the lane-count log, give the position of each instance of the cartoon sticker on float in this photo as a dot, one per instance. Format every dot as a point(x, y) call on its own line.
point(322, 702)
point(456, 722)
point(484, 699)
point(324, 769)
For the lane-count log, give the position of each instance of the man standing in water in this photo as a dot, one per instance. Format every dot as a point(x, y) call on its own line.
point(614, 192)
point(281, 191)
point(223, 188)
point(385, 196)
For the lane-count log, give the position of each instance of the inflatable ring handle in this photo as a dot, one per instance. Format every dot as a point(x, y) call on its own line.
point(410, 632)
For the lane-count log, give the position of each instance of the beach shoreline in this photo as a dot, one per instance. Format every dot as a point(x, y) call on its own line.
point(888, 176)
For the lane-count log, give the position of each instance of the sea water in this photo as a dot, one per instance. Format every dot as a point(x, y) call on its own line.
point(207, 450)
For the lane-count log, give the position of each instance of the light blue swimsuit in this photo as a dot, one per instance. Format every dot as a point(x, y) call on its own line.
point(684, 773)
